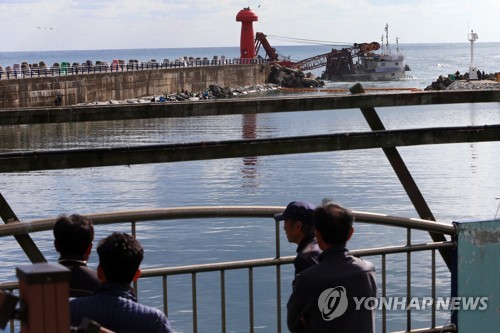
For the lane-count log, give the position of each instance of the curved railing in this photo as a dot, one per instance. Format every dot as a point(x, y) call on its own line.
point(203, 212)
point(194, 212)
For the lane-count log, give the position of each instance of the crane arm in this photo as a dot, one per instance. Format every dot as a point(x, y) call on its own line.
point(260, 39)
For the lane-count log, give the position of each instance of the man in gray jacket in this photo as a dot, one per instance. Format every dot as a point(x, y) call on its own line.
point(326, 297)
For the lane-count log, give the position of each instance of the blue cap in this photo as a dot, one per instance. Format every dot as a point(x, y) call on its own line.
point(297, 211)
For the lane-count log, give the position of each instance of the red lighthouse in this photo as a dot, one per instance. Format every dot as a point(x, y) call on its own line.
point(247, 41)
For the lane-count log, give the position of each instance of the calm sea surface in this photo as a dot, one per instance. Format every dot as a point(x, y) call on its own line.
point(459, 181)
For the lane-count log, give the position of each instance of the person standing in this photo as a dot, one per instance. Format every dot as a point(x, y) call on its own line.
point(73, 237)
point(299, 229)
point(114, 304)
point(326, 296)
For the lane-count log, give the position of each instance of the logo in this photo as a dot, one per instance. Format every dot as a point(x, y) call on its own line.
point(416, 303)
point(332, 303)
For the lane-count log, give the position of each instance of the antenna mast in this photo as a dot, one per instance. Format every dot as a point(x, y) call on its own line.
point(388, 50)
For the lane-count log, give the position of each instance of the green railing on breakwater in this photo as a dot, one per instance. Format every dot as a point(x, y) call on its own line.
point(30, 71)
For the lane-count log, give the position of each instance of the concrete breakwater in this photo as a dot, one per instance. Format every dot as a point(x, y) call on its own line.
point(94, 87)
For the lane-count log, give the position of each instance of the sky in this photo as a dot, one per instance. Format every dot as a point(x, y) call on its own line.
point(49, 25)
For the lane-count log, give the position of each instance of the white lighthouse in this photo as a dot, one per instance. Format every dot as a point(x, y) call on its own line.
point(472, 67)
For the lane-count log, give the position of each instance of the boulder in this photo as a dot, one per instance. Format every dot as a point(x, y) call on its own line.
point(292, 78)
point(307, 82)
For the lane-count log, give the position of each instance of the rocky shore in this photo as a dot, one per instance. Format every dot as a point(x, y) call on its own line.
point(447, 83)
point(213, 92)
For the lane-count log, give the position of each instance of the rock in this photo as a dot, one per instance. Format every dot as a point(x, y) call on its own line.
point(273, 75)
point(446, 83)
point(292, 78)
point(307, 82)
point(214, 91)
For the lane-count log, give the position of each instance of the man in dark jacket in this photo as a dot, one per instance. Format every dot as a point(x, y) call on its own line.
point(73, 237)
point(114, 305)
point(299, 229)
point(326, 297)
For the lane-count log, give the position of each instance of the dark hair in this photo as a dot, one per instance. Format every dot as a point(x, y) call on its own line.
point(307, 228)
point(120, 255)
point(73, 234)
point(333, 222)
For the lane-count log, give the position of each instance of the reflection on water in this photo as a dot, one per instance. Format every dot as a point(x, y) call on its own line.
point(458, 181)
point(249, 169)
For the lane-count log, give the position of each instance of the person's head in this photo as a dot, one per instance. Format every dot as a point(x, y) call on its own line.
point(120, 256)
point(73, 236)
point(333, 225)
point(298, 217)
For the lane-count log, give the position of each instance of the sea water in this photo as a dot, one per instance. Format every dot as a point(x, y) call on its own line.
point(458, 181)
point(426, 61)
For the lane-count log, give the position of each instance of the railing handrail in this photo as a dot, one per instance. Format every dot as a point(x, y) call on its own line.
point(261, 262)
point(229, 265)
point(194, 212)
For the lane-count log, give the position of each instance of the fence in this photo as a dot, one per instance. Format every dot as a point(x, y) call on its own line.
point(194, 271)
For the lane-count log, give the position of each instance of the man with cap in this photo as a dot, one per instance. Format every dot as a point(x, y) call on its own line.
point(299, 229)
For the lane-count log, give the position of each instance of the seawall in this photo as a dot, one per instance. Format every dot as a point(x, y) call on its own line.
point(86, 88)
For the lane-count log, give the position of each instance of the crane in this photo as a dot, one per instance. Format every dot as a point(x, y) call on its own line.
point(336, 62)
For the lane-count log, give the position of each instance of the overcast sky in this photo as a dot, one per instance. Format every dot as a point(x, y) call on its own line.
point(38, 25)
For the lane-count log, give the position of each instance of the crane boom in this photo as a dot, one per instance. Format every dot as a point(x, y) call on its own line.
point(312, 62)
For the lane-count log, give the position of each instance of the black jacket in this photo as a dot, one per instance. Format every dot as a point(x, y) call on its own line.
point(324, 295)
point(308, 253)
point(83, 280)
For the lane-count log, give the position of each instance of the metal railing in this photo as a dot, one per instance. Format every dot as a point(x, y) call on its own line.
point(78, 69)
point(136, 216)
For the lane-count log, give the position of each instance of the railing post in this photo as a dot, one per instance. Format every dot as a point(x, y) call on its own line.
point(223, 300)
point(250, 300)
point(384, 293)
point(433, 288)
point(165, 294)
point(408, 280)
point(195, 302)
point(44, 289)
point(278, 277)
